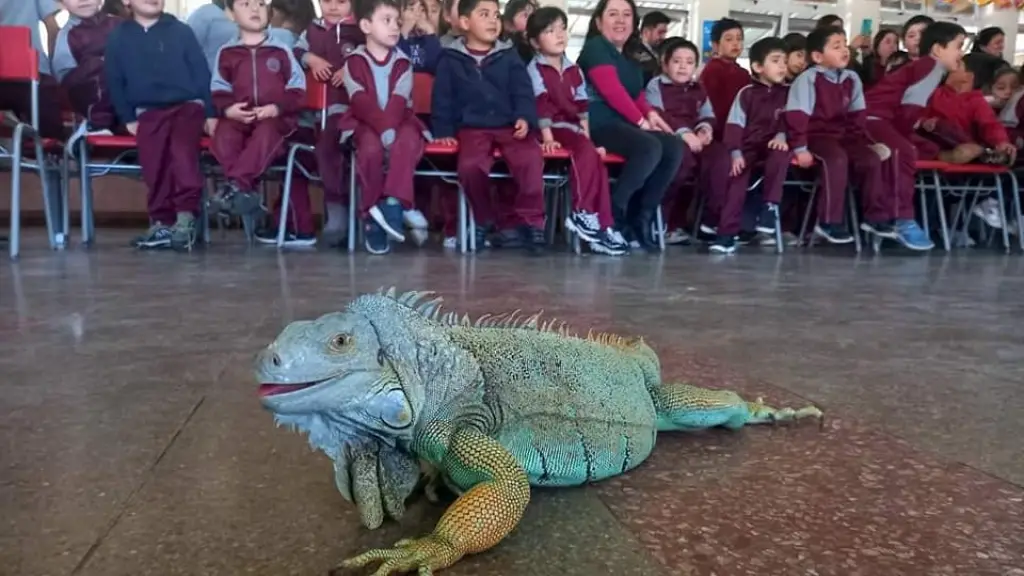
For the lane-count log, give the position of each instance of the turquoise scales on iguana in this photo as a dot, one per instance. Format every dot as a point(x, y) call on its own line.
point(391, 388)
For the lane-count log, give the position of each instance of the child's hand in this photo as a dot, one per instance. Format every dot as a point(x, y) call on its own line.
point(881, 150)
point(657, 122)
point(804, 159)
point(705, 135)
point(320, 68)
point(693, 141)
point(778, 144)
point(738, 166)
point(1008, 149)
point(240, 112)
point(601, 152)
point(928, 125)
point(549, 146)
point(268, 111)
point(210, 127)
point(338, 78)
point(446, 141)
point(521, 129)
point(132, 128)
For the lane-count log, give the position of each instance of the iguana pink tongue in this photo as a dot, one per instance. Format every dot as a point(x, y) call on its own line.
point(272, 389)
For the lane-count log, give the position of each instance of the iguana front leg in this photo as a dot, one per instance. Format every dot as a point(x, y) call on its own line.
point(493, 504)
point(377, 479)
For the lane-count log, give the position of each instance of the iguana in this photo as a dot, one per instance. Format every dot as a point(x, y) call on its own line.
point(494, 406)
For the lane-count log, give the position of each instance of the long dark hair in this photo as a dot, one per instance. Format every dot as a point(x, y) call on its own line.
point(598, 12)
point(985, 37)
point(218, 3)
point(299, 13)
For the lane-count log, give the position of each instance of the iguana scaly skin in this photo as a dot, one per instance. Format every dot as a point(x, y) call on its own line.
point(495, 406)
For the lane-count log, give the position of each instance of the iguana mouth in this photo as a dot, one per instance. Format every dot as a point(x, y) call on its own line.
point(275, 389)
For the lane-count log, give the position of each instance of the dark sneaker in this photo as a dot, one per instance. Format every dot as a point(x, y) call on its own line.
point(233, 201)
point(610, 243)
point(768, 219)
point(388, 215)
point(508, 238)
point(333, 237)
point(645, 240)
point(532, 239)
point(833, 233)
point(723, 245)
point(707, 233)
point(375, 238)
point(269, 236)
point(158, 236)
point(677, 237)
point(880, 229)
point(585, 225)
point(747, 237)
point(183, 233)
point(912, 236)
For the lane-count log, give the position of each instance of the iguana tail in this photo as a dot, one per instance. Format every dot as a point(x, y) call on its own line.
point(686, 407)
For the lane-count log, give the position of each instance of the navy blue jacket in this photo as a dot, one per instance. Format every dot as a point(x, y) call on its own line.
point(422, 50)
point(156, 68)
point(472, 91)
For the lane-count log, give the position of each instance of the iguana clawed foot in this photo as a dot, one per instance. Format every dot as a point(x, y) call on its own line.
point(420, 555)
point(762, 413)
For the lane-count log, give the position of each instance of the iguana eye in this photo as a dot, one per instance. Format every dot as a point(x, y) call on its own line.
point(340, 341)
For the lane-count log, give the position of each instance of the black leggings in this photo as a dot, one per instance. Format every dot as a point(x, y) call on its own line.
point(652, 161)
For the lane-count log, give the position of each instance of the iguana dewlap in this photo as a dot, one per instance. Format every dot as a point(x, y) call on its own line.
point(495, 405)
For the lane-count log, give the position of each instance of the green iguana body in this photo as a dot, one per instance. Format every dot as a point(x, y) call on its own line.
point(494, 406)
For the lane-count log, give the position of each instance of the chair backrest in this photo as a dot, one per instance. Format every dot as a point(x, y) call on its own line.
point(422, 87)
point(18, 61)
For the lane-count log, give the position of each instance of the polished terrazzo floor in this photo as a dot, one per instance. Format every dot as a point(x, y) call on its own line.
point(133, 442)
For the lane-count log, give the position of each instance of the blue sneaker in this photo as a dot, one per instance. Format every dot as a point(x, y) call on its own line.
point(388, 214)
point(912, 236)
point(375, 238)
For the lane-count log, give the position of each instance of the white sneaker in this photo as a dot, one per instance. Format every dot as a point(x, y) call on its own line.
point(988, 210)
point(450, 243)
point(677, 236)
point(415, 219)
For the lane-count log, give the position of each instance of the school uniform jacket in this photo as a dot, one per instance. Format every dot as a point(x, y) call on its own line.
point(562, 99)
point(267, 73)
point(334, 43)
point(901, 96)
point(756, 118)
point(968, 115)
point(685, 107)
point(722, 80)
point(379, 95)
point(78, 65)
point(825, 103)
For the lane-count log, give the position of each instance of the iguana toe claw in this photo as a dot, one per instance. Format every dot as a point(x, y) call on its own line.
point(421, 555)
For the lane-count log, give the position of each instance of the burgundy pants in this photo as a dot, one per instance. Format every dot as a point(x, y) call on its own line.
point(300, 209)
point(894, 197)
point(836, 157)
point(712, 165)
point(168, 145)
point(525, 162)
point(589, 177)
point(331, 162)
point(246, 151)
point(775, 166)
point(401, 159)
point(17, 97)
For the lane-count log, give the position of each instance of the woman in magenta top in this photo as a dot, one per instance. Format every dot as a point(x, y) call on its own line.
point(624, 124)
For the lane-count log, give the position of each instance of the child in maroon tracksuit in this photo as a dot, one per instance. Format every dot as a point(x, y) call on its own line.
point(825, 121)
point(386, 133)
point(895, 107)
point(78, 63)
point(756, 139)
point(258, 88)
point(722, 77)
point(687, 109)
point(322, 49)
point(562, 102)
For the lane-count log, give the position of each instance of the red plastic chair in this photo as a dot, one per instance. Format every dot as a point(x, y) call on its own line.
point(19, 62)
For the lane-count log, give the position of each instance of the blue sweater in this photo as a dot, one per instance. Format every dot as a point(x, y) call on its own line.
point(156, 68)
point(480, 91)
point(422, 50)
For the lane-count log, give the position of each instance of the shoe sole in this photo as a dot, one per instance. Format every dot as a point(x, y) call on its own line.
point(378, 217)
point(605, 250)
point(419, 236)
point(915, 247)
point(153, 244)
point(246, 204)
point(293, 242)
point(832, 239)
point(890, 235)
point(722, 250)
point(584, 234)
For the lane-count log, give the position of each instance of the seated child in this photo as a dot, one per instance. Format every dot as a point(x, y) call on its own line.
point(686, 108)
point(513, 25)
point(258, 88)
point(159, 84)
point(385, 130)
point(78, 62)
point(16, 96)
point(756, 139)
point(562, 102)
point(1005, 81)
point(912, 31)
point(796, 55)
point(289, 19)
point(484, 96)
point(895, 107)
point(419, 39)
point(825, 121)
point(722, 77)
point(322, 49)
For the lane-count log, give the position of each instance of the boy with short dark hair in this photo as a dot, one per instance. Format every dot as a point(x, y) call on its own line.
point(78, 61)
point(258, 87)
point(825, 121)
point(384, 128)
point(484, 96)
point(322, 49)
point(796, 55)
point(755, 137)
point(722, 77)
point(895, 108)
point(159, 83)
